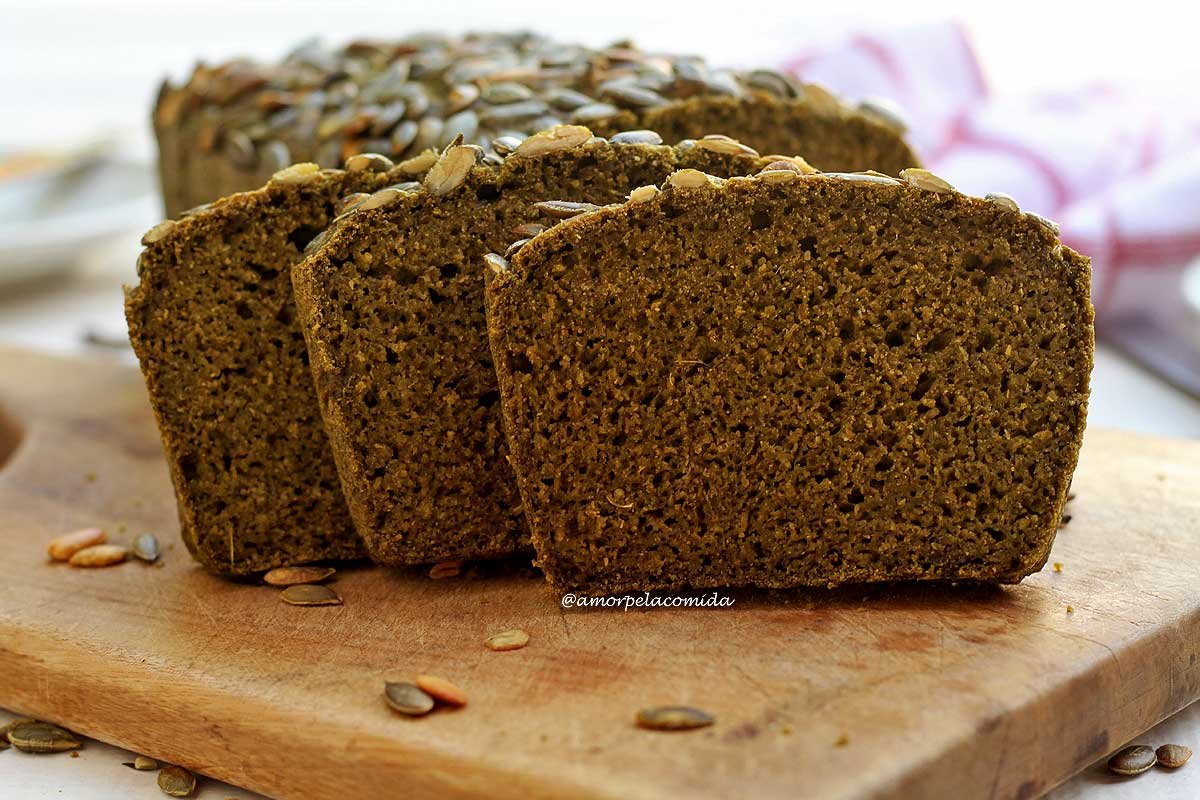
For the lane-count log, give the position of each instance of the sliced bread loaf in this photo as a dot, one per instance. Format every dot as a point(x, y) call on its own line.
point(391, 302)
point(792, 380)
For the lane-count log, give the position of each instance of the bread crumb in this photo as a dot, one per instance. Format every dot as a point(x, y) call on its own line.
point(1070, 609)
point(842, 741)
point(1058, 566)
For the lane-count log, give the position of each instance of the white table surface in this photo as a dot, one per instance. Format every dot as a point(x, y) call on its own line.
point(54, 314)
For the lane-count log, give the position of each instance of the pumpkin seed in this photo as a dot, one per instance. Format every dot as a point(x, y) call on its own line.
point(99, 555)
point(158, 232)
point(451, 169)
point(563, 209)
point(643, 194)
point(176, 781)
point(673, 718)
point(924, 179)
point(594, 111)
point(1133, 760)
point(446, 569)
point(441, 689)
point(529, 229)
point(145, 763)
point(496, 262)
point(501, 642)
point(1003, 200)
point(504, 145)
point(717, 143)
point(304, 172)
point(295, 576)
point(4, 729)
point(514, 247)
point(1173, 756)
point(419, 163)
point(687, 179)
point(636, 137)
point(562, 137)
point(67, 545)
point(310, 594)
point(146, 548)
point(41, 737)
point(407, 698)
point(368, 162)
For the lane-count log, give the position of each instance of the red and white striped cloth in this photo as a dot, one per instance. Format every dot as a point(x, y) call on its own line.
point(1119, 172)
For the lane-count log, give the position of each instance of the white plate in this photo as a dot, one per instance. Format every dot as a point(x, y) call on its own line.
point(50, 219)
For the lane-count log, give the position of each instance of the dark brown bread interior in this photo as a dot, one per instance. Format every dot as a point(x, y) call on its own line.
point(392, 308)
point(803, 383)
point(213, 323)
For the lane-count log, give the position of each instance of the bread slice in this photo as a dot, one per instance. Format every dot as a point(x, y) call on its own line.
point(392, 309)
point(793, 380)
point(213, 323)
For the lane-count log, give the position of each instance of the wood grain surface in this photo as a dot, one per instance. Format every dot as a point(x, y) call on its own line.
point(904, 691)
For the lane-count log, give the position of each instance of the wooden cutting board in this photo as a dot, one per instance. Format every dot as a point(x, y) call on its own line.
point(906, 692)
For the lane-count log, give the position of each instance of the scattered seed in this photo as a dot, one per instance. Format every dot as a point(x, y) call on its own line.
point(143, 763)
point(643, 194)
point(407, 698)
point(673, 718)
point(146, 548)
point(507, 640)
point(99, 555)
point(924, 179)
point(67, 545)
point(561, 137)
point(637, 137)
point(1133, 760)
point(304, 172)
point(310, 594)
point(1173, 756)
point(441, 689)
point(294, 576)
point(158, 232)
point(562, 209)
point(4, 729)
point(176, 781)
point(41, 737)
point(446, 569)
